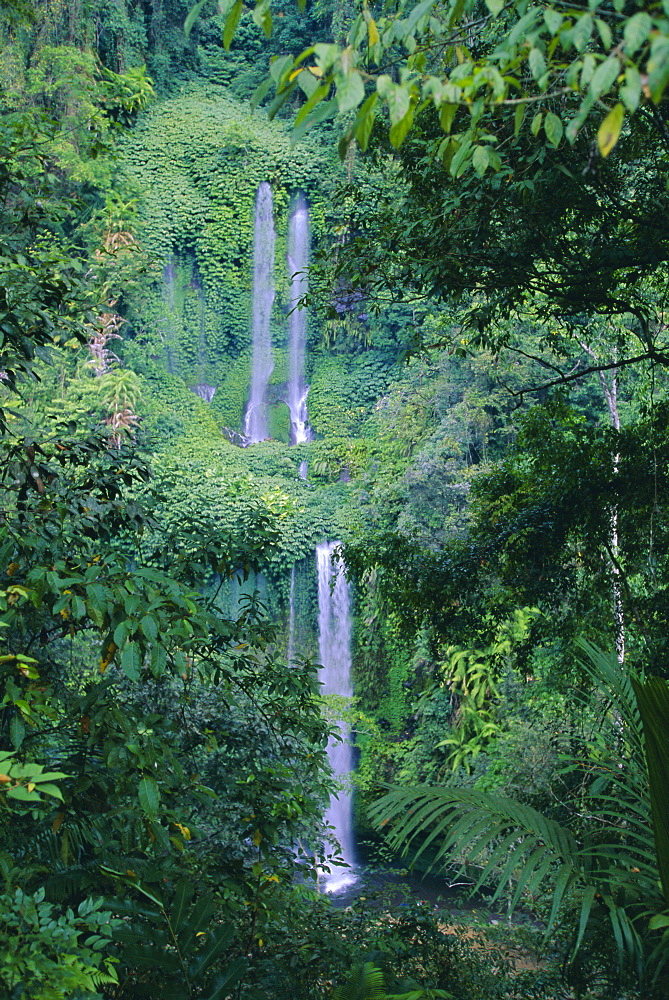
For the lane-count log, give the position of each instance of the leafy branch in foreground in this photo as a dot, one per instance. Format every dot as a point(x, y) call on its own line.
point(603, 862)
point(559, 64)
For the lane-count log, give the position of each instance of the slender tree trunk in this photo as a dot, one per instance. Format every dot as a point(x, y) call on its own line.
point(610, 390)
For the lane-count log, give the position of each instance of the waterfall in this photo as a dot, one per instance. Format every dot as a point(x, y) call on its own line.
point(334, 643)
point(298, 261)
point(255, 420)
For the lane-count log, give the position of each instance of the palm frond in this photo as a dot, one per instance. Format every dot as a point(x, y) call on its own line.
point(611, 864)
point(489, 830)
point(653, 699)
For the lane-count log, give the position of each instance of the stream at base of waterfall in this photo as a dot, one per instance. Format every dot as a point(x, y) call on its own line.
point(334, 644)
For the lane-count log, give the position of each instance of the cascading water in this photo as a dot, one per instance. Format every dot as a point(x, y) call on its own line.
point(255, 420)
point(298, 262)
point(334, 644)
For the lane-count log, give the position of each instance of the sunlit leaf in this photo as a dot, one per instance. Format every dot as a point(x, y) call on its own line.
point(609, 131)
point(553, 128)
point(350, 91)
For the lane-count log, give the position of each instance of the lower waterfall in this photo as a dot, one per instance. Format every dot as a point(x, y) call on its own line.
point(334, 644)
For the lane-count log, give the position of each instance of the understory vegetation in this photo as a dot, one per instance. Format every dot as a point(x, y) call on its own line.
point(487, 361)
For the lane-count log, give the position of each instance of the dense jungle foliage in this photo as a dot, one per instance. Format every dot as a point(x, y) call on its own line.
point(488, 394)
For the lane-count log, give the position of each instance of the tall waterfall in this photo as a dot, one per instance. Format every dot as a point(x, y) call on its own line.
point(298, 261)
point(255, 420)
point(334, 643)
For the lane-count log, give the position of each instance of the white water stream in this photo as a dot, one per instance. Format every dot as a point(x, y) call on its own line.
point(334, 644)
point(298, 262)
point(255, 420)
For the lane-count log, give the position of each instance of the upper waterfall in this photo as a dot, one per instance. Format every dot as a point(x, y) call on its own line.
point(255, 420)
point(298, 262)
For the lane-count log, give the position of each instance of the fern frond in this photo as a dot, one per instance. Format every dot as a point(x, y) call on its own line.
point(365, 982)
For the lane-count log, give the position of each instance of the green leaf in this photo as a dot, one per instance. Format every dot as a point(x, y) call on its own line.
point(149, 796)
point(536, 123)
point(198, 919)
point(131, 661)
point(399, 130)
point(553, 20)
point(604, 76)
point(217, 941)
point(553, 128)
point(326, 55)
point(46, 788)
point(447, 113)
point(307, 82)
point(609, 131)
point(325, 110)
point(364, 122)
point(582, 31)
point(192, 17)
point(121, 633)
point(232, 975)
point(231, 22)
point(261, 92)
point(460, 158)
point(653, 700)
point(537, 63)
point(350, 91)
point(630, 94)
point(518, 116)
point(481, 159)
point(278, 68)
point(495, 6)
point(417, 12)
point(637, 31)
point(183, 895)
point(658, 68)
point(318, 95)
point(262, 16)
point(604, 33)
point(22, 794)
point(149, 627)
point(158, 660)
point(17, 731)
point(399, 101)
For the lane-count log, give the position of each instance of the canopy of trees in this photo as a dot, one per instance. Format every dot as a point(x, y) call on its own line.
point(487, 355)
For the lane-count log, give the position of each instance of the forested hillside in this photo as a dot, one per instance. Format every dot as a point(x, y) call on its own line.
point(334, 534)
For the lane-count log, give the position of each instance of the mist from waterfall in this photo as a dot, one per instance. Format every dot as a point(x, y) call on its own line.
point(334, 644)
point(298, 262)
point(255, 420)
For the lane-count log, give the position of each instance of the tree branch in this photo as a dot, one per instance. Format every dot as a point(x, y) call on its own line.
point(572, 376)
